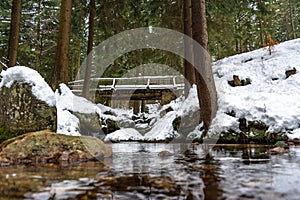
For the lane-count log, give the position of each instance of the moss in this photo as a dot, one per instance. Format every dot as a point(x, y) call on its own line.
point(259, 136)
point(6, 134)
point(176, 123)
point(46, 146)
point(229, 137)
point(258, 125)
point(110, 127)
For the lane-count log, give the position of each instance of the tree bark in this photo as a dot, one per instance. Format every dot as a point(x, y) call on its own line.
point(14, 32)
point(87, 78)
point(189, 71)
point(292, 19)
point(63, 44)
point(38, 46)
point(207, 94)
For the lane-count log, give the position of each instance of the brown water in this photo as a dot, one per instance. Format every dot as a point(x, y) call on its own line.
point(137, 171)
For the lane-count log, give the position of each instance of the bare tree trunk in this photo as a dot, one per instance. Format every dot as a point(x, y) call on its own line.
point(207, 94)
point(14, 32)
point(63, 44)
point(292, 19)
point(287, 35)
point(38, 47)
point(189, 71)
point(87, 78)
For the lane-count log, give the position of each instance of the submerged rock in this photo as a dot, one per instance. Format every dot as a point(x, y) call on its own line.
point(165, 154)
point(278, 150)
point(48, 147)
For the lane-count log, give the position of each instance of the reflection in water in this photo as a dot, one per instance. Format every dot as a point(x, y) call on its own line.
point(138, 171)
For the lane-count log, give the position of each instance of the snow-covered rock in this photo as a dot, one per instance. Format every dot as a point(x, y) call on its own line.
point(23, 74)
point(124, 134)
point(27, 103)
point(76, 115)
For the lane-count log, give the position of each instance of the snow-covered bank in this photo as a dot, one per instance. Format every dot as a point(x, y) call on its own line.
point(271, 97)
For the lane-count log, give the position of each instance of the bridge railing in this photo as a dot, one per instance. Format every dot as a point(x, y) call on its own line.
point(131, 83)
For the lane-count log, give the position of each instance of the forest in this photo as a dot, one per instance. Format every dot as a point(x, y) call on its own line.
point(234, 26)
point(229, 130)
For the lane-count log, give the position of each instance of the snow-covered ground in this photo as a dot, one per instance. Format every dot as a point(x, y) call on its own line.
point(270, 98)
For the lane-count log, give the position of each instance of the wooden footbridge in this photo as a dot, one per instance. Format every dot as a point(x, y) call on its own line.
point(131, 88)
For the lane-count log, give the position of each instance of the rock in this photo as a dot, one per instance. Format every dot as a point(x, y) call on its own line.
point(109, 126)
point(48, 147)
point(237, 82)
point(127, 124)
point(169, 109)
point(278, 150)
point(247, 81)
point(21, 111)
point(165, 154)
point(89, 123)
point(281, 144)
point(296, 141)
point(288, 73)
point(247, 60)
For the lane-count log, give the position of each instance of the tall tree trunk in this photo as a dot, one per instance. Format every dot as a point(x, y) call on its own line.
point(63, 44)
point(87, 78)
point(189, 71)
point(287, 34)
point(38, 47)
point(292, 19)
point(14, 32)
point(207, 94)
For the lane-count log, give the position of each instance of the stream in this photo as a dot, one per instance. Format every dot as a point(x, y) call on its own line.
point(162, 171)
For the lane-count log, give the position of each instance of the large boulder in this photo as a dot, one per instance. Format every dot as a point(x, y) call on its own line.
point(27, 103)
point(48, 147)
point(21, 111)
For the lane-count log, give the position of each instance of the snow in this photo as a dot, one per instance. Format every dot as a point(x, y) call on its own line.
point(26, 75)
point(66, 103)
point(124, 134)
point(271, 98)
point(67, 100)
point(295, 134)
point(163, 128)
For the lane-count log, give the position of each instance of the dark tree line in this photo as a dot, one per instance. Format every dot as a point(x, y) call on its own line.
point(234, 26)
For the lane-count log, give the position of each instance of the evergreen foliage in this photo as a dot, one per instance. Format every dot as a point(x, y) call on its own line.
point(234, 26)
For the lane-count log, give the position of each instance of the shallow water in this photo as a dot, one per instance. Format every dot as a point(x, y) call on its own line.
point(139, 171)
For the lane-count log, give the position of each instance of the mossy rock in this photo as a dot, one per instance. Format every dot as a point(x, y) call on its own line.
point(48, 147)
point(110, 126)
point(258, 125)
point(89, 122)
point(21, 111)
point(229, 137)
point(6, 134)
point(176, 123)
